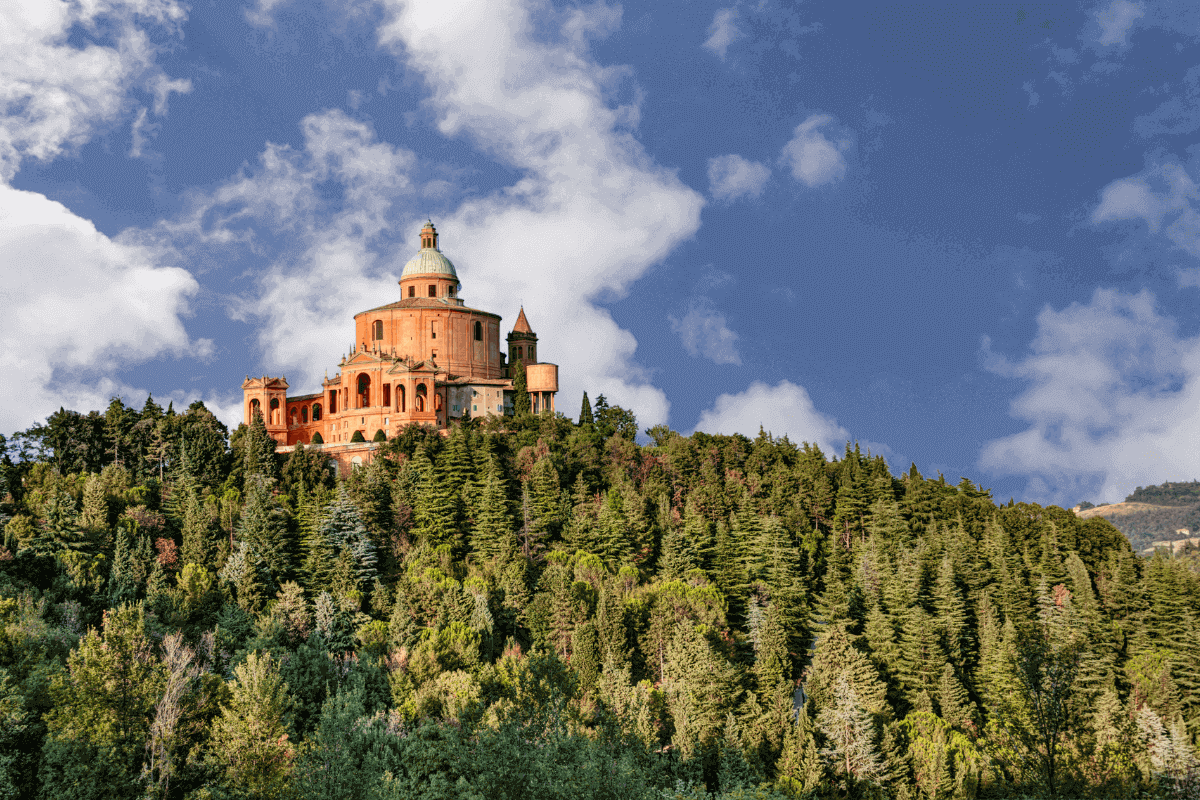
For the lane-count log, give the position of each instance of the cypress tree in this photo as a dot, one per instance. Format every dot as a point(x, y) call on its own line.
point(522, 404)
point(585, 412)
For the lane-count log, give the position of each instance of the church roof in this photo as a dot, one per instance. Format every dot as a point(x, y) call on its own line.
point(427, 302)
point(522, 324)
point(429, 261)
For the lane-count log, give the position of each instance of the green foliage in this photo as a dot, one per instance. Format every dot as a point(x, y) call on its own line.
point(525, 607)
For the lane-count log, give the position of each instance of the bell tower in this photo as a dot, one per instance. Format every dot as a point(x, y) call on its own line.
point(522, 342)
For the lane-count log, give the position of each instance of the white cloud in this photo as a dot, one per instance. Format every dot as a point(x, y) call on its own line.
point(783, 409)
point(325, 262)
point(732, 176)
point(1112, 402)
point(1116, 20)
point(591, 213)
point(262, 15)
point(77, 307)
point(53, 94)
point(588, 216)
point(704, 333)
point(814, 158)
point(723, 31)
point(1136, 198)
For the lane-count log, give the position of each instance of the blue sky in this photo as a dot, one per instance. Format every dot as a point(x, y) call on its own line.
point(964, 236)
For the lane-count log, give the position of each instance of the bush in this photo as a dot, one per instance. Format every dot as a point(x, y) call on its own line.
point(357, 437)
point(318, 438)
point(380, 436)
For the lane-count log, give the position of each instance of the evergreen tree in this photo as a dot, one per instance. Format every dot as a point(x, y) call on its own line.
point(585, 412)
point(258, 450)
point(250, 748)
point(522, 404)
point(197, 530)
point(264, 528)
point(492, 531)
point(847, 726)
point(343, 530)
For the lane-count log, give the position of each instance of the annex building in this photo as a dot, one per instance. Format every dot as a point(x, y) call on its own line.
point(426, 358)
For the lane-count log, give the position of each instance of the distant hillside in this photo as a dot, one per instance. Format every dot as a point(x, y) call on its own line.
point(1146, 523)
point(1169, 494)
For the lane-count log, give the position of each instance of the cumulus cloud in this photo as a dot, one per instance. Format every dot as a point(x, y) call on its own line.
point(78, 306)
point(1161, 195)
point(1112, 401)
point(1115, 21)
point(782, 410)
point(723, 31)
point(815, 159)
point(589, 214)
point(55, 94)
point(704, 333)
point(732, 176)
point(325, 260)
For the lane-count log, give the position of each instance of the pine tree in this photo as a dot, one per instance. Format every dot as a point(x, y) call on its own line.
point(264, 528)
point(259, 450)
point(951, 613)
point(800, 770)
point(848, 728)
point(580, 532)
point(197, 530)
point(492, 531)
point(94, 519)
point(678, 556)
point(436, 510)
point(343, 529)
point(250, 747)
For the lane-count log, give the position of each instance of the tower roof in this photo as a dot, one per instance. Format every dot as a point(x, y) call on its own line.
point(429, 260)
point(522, 324)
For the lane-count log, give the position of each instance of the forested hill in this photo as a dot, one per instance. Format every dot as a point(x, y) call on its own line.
point(530, 608)
point(1169, 494)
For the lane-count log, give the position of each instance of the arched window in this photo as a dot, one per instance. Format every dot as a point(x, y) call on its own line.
point(274, 410)
point(387, 394)
point(304, 415)
point(478, 331)
point(437, 402)
point(532, 358)
point(364, 390)
point(412, 291)
point(333, 401)
point(433, 290)
point(292, 417)
point(421, 395)
point(255, 408)
point(400, 398)
point(520, 352)
point(378, 326)
point(316, 412)
point(451, 290)
point(356, 462)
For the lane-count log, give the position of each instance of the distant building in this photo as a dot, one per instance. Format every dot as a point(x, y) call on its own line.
point(426, 358)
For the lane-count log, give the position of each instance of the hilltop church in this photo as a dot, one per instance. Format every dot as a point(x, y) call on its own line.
point(426, 358)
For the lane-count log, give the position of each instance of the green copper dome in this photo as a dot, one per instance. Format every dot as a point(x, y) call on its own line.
point(429, 261)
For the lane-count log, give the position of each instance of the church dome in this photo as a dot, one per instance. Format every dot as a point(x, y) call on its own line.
point(429, 261)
